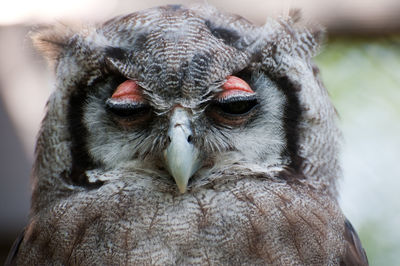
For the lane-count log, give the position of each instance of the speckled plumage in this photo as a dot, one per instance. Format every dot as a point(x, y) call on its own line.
point(266, 190)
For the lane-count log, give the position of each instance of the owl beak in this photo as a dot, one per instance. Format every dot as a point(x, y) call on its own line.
point(181, 156)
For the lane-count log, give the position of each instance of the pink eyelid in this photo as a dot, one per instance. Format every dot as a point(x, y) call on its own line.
point(128, 90)
point(234, 86)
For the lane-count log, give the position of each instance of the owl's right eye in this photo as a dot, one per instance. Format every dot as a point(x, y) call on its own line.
point(127, 110)
point(127, 102)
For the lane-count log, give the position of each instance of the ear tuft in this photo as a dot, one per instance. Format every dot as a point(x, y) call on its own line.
point(295, 14)
point(51, 41)
point(319, 33)
point(316, 31)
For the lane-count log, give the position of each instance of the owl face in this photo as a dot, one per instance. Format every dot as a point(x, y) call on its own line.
point(176, 98)
point(183, 93)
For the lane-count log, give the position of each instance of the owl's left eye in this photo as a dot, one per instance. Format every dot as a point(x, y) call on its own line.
point(235, 103)
point(127, 101)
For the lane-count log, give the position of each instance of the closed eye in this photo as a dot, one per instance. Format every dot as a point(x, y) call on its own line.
point(237, 106)
point(127, 109)
point(127, 104)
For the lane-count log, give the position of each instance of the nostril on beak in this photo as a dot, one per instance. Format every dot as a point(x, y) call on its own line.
point(182, 158)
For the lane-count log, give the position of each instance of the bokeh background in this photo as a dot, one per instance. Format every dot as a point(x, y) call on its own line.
point(360, 65)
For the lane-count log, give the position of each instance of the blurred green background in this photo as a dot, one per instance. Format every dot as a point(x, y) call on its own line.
point(363, 78)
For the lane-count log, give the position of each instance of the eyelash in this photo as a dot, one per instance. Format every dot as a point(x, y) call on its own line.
point(127, 109)
point(238, 107)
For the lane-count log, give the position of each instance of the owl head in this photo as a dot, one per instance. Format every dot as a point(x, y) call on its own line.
point(184, 95)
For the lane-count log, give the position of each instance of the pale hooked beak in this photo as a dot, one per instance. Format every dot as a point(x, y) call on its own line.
point(181, 156)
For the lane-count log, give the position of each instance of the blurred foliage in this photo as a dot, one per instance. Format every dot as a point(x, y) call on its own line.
point(381, 247)
point(362, 68)
point(363, 77)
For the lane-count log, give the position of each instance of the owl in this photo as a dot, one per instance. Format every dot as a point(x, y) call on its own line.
point(183, 136)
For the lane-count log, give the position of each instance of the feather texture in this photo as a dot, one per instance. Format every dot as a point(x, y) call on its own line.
point(266, 189)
